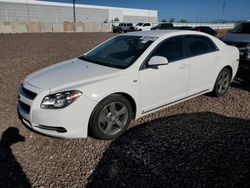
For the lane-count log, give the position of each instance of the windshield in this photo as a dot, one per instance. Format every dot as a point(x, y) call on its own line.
point(119, 52)
point(162, 25)
point(139, 24)
point(243, 28)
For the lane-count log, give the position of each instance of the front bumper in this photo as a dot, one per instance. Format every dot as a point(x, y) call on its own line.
point(244, 54)
point(69, 122)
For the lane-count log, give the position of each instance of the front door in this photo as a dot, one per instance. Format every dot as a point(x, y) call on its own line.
point(164, 84)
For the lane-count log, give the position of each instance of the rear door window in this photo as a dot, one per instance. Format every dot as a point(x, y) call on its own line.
point(146, 24)
point(198, 45)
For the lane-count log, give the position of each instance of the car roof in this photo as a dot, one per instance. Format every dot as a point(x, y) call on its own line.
point(160, 33)
point(203, 27)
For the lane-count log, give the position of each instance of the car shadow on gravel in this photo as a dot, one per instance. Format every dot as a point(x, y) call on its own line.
point(242, 78)
point(11, 173)
point(187, 150)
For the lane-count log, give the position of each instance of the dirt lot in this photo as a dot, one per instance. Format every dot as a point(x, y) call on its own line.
point(202, 142)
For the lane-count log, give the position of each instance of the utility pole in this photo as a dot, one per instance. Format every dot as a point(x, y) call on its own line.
point(196, 17)
point(223, 10)
point(74, 10)
point(28, 11)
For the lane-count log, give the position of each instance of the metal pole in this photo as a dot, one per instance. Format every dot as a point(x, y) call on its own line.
point(6, 15)
point(28, 11)
point(223, 10)
point(74, 10)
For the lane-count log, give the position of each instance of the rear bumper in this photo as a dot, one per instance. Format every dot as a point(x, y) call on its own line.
point(242, 46)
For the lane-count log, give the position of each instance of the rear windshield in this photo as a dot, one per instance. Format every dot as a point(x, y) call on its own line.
point(243, 28)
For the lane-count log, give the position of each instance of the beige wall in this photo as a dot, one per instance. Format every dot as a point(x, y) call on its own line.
point(37, 27)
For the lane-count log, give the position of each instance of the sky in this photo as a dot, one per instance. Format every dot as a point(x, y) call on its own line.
point(191, 10)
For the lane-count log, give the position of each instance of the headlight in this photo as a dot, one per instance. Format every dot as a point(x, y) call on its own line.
point(60, 100)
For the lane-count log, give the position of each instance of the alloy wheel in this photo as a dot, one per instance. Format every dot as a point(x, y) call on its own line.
point(223, 82)
point(113, 118)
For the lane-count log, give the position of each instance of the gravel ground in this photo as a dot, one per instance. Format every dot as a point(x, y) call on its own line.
point(203, 142)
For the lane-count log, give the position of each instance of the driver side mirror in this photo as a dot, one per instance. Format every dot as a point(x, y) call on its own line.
point(158, 60)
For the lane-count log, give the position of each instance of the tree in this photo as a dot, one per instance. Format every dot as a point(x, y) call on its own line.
point(116, 19)
point(164, 20)
point(183, 21)
point(171, 20)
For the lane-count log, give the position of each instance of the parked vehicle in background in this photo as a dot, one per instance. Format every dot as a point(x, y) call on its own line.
point(142, 26)
point(123, 27)
point(206, 29)
point(115, 29)
point(239, 37)
point(162, 26)
point(184, 28)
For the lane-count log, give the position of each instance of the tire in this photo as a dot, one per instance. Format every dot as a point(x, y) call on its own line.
point(111, 117)
point(222, 82)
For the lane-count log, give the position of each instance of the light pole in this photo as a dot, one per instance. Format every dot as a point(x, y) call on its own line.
point(223, 10)
point(28, 11)
point(74, 10)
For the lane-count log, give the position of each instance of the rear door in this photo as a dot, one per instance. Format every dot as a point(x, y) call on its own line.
point(126, 27)
point(204, 59)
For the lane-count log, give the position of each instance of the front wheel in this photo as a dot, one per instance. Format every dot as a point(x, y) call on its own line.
point(111, 117)
point(222, 83)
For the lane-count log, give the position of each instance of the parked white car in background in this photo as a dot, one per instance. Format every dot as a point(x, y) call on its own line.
point(124, 78)
point(143, 26)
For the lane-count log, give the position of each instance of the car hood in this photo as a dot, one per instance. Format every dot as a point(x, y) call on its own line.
point(68, 74)
point(236, 37)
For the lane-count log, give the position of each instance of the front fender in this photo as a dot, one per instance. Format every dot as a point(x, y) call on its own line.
point(126, 84)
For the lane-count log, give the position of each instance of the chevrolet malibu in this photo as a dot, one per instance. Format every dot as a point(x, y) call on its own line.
point(124, 78)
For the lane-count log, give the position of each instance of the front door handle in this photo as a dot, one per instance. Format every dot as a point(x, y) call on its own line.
point(184, 66)
point(217, 58)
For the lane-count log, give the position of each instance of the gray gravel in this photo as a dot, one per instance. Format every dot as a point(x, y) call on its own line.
point(204, 142)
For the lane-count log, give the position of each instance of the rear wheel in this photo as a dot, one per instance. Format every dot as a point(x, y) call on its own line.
point(111, 117)
point(222, 83)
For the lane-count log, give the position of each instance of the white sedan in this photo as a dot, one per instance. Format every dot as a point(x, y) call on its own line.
point(125, 78)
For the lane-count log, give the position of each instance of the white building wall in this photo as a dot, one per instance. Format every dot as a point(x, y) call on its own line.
point(138, 12)
point(11, 10)
point(114, 13)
